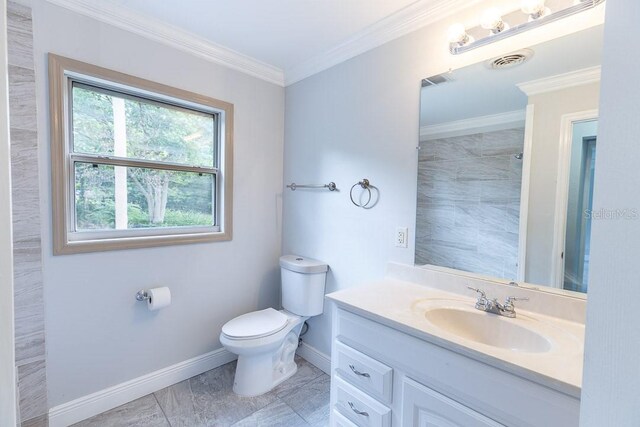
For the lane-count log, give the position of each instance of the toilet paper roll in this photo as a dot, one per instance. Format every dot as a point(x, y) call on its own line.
point(158, 298)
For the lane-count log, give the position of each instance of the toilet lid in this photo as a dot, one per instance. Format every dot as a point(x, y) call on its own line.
point(255, 324)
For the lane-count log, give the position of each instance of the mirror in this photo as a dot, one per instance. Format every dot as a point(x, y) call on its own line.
point(506, 164)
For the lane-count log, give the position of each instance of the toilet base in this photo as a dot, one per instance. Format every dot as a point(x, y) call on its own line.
point(250, 380)
point(257, 374)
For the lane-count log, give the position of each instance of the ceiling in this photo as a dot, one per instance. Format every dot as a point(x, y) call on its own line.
point(283, 33)
point(280, 41)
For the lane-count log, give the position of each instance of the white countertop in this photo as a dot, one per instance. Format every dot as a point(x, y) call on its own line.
point(401, 305)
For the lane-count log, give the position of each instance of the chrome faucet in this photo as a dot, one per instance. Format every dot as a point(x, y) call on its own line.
point(507, 309)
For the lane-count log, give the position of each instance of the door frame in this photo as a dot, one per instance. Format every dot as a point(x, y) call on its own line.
point(562, 191)
point(524, 193)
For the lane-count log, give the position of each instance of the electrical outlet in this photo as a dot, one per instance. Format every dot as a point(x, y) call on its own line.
point(402, 234)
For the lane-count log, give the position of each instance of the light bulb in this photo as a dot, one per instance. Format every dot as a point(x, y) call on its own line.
point(531, 7)
point(534, 8)
point(492, 20)
point(458, 34)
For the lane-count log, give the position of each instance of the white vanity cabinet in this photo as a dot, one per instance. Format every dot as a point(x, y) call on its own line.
point(382, 376)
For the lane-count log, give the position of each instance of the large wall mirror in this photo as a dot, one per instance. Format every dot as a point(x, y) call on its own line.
point(506, 164)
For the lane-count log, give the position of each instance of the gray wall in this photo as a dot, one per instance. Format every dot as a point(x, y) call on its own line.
point(612, 349)
point(344, 124)
point(97, 334)
point(469, 202)
point(27, 249)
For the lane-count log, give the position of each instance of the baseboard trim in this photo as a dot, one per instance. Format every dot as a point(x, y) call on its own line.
point(315, 357)
point(109, 398)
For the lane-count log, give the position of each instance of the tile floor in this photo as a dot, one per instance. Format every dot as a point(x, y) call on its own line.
point(207, 400)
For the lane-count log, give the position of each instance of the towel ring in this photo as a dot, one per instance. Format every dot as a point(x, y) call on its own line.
point(365, 185)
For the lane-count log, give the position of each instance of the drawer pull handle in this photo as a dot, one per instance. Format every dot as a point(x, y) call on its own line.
point(353, 408)
point(358, 373)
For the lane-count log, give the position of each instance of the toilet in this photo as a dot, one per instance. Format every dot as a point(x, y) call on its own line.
point(266, 340)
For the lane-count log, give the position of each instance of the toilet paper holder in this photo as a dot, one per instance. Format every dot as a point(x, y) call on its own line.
point(142, 295)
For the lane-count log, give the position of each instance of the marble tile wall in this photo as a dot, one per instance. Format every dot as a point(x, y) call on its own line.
point(469, 202)
point(29, 302)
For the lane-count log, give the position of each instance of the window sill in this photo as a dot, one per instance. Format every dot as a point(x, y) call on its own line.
point(98, 245)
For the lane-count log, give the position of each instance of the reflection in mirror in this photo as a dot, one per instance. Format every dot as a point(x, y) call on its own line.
point(506, 164)
point(579, 204)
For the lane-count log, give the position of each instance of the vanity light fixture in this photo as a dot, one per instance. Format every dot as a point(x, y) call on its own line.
point(461, 39)
point(458, 36)
point(492, 20)
point(536, 9)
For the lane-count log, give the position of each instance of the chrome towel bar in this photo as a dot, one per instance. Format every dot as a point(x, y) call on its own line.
point(331, 186)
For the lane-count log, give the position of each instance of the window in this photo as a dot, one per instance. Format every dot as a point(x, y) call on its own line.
point(135, 163)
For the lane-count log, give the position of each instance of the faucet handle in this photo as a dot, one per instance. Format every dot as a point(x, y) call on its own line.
point(482, 303)
point(508, 303)
point(478, 290)
point(512, 299)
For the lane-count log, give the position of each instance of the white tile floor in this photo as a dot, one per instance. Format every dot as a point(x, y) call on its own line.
point(207, 400)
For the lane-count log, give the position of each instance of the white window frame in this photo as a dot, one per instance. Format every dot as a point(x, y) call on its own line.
point(66, 240)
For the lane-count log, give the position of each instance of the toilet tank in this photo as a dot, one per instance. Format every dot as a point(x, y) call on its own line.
point(303, 284)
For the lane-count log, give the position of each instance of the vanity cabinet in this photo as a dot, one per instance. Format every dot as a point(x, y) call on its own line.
point(383, 376)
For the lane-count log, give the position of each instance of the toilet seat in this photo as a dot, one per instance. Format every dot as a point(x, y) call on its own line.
point(257, 324)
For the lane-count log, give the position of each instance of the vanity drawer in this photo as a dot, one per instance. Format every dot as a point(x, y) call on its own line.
point(339, 420)
point(372, 376)
point(360, 408)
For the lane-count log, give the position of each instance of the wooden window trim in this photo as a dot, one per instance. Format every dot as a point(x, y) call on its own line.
point(59, 70)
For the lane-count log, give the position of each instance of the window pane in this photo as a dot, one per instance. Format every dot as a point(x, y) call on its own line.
point(118, 198)
point(113, 124)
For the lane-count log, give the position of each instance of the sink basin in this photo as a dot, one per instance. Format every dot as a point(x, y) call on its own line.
point(488, 329)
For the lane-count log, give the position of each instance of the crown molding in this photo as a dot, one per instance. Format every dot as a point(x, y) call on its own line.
point(561, 81)
point(173, 36)
point(403, 22)
point(473, 125)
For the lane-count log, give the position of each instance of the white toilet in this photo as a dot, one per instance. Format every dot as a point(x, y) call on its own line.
point(266, 340)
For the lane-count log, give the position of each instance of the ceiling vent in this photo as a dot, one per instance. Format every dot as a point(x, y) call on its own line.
point(510, 60)
point(435, 80)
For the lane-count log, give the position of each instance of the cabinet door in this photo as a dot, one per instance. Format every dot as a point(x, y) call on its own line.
point(424, 407)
